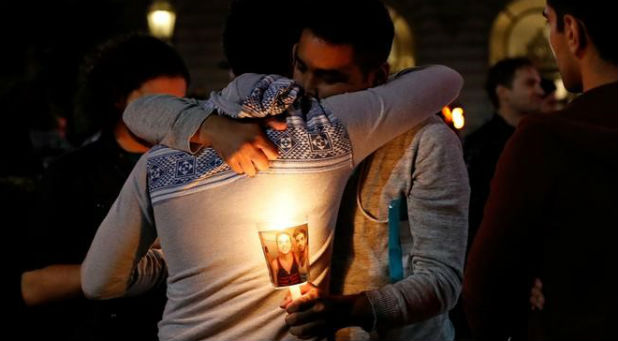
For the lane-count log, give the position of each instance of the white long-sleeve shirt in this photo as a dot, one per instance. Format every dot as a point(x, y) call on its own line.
point(206, 216)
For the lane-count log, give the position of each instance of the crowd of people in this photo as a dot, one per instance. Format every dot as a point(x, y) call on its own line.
point(148, 230)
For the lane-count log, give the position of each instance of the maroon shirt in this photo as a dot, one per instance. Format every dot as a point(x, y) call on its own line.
point(552, 214)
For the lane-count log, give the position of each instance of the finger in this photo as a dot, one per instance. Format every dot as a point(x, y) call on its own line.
point(259, 160)
point(235, 165)
point(300, 304)
point(267, 147)
point(310, 291)
point(246, 164)
point(286, 300)
point(310, 330)
point(301, 317)
point(275, 124)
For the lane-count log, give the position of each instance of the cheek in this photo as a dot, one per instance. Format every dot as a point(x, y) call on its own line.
point(552, 42)
point(298, 76)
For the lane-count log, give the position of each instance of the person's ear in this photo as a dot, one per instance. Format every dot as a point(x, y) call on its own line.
point(380, 75)
point(575, 35)
point(293, 56)
point(502, 92)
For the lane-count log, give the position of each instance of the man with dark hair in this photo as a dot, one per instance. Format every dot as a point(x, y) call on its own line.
point(552, 211)
point(338, 53)
point(422, 171)
point(514, 88)
point(78, 189)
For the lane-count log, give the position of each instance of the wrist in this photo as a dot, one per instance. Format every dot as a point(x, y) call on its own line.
point(358, 311)
point(204, 135)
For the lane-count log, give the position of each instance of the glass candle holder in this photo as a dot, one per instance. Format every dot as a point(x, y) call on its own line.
point(286, 251)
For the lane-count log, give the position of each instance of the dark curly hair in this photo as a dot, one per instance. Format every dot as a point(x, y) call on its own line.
point(248, 47)
point(364, 24)
point(112, 72)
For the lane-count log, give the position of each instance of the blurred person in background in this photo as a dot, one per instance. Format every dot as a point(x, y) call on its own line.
point(550, 101)
point(551, 212)
point(78, 189)
point(514, 88)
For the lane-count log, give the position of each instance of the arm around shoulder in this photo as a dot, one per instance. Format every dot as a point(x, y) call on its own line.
point(165, 119)
point(374, 116)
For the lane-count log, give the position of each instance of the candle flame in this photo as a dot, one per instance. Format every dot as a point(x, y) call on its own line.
point(458, 118)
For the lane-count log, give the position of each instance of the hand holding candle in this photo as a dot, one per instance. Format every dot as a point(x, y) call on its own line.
point(314, 315)
point(306, 291)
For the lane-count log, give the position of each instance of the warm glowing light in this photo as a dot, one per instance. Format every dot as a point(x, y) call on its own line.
point(295, 291)
point(447, 114)
point(458, 118)
point(285, 211)
point(561, 91)
point(161, 20)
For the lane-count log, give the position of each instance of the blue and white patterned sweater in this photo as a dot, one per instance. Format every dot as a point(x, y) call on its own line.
point(315, 141)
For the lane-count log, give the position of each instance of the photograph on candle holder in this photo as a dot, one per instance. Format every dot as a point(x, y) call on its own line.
point(286, 252)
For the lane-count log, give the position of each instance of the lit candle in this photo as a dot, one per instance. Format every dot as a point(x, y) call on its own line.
point(285, 244)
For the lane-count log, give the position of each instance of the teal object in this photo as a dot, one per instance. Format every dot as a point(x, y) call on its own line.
point(395, 265)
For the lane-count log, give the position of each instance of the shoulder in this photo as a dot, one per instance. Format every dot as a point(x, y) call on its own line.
point(531, 144)
point(533, 130)
point(435, 136)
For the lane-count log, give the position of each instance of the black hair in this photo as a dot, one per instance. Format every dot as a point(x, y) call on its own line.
point(364, 24)
point(503, 73)
point(258, 36)
point(113, 71)
point(596, 17)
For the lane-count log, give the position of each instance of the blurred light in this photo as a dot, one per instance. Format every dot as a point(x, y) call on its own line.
point(458, 118)
point(561, 91)
point(447, 114)
point(161, 19)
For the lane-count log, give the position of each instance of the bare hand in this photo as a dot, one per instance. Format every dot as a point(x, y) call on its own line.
point(537, 299)
point(242, 145)
point(308, 293)
point(319, 317)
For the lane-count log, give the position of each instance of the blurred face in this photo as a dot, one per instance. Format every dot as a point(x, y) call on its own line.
point(284, 244)
point(324, 69)
point(525, 95)
point(567, 63)
point(301, 241)
point(550, 103)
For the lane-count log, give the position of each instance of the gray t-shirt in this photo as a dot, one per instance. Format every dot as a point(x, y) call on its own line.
point(207, 217)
